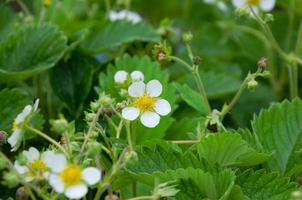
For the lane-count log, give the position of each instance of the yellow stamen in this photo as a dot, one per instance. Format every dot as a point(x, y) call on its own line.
point(253, 2)
point(47, 2)
point(145, 103)
point(71, 175)
point(14, 125)
point(37, 167)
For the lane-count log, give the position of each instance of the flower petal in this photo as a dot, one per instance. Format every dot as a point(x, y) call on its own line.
point(267, 5)
point(20, 168)
point(162, 107)
point(29, 178)
point(239, 3)
point(56, 182)
point(150, 119)
point(32, 154)
point(120, 76)
point(91, 175)
point(55, 161)
point(136, 89)
point(154, 88)
point(130, 113)
point(76, 191)
point(26, 111)
point(137, 76)
point(36, 104)
point(15, 139)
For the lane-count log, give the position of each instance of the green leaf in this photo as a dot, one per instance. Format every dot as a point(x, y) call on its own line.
point(151, 70)
point(260, 185)
point(229, 149)
point(7, 19)
point(192, 98)
point(71, 80)
point(118, 33)
point(219, 84)
point(30, 50)
point(278, 130)
point(12, 103)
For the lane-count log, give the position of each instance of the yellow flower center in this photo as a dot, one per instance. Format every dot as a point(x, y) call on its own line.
point(253, 2)
point(47, 2)
point(14, 125)
point(37, 167)
point(145, 103)
point(71, 175)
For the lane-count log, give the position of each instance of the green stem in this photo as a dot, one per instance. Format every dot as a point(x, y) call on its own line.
point(129, 135)
point(291, 16)
point(194, 70)
point(293, 78)
point(142, 198)
point(45, 136)
point(24, 7)
point(185, 141)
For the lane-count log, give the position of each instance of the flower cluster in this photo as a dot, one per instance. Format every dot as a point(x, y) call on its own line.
point(64, 177)
point(144, 99)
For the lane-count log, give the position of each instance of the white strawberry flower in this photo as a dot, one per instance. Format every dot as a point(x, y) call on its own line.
point(146, 105)
point(264, 5)
point(36, 165)
point(71, 179)
point(15, 139)
point(125, 15)
point(122, 76)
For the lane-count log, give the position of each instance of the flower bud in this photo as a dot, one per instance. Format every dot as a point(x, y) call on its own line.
point(94, 106)
point(22, 159)
point(10, 179)
point(130, 155)
point(123, 93)
point(93, 148)
point(105, 100)
point(59, 125)
point(242, 12)
point(252, 84)
point(89, 116)
point(196, 60)
point(266, 74)
point(268, 18)
point(3, 137)
point(263, 63)
point(111, 197)
point(187, 37)
point(21, 194)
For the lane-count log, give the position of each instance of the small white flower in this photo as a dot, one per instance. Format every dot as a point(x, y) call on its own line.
point(70, 179)
point(125, 15)
point(121, 76)
point(36, 165)
point(220, 4)
point(15, 139)
point(264, 5)
point(146, 105)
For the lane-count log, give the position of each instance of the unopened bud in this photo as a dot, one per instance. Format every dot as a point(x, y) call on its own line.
point(242, 12)
point(187, 37)
point(252, 84)
point(130, 155)
point(21, 194)
point(196, 60)
point(263, 63)
point(10, 179)
point(3, 137)
point(89, 116)
point(59, 125)
point(94, 106)
point(266, 74)
point(111, 197)
point(268, 18)
point(105, 100)
point(93, 148)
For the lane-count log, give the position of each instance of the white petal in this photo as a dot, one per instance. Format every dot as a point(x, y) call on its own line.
point(239, 3)
point(56, 183)
point(120, 76)
point(26, 111)
point(55, 161)
point(32, 154)
point(222, 6)
point(162, 107)
point(137, 89)
point(267, 5)
point(154, 88)
point(130, 113)
point(76, 191)
point(150, 119)
point(20, 168)
point(29, 178)
point(137, 76)
point(91, 175)
point(36, 104)
point(14, 139)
